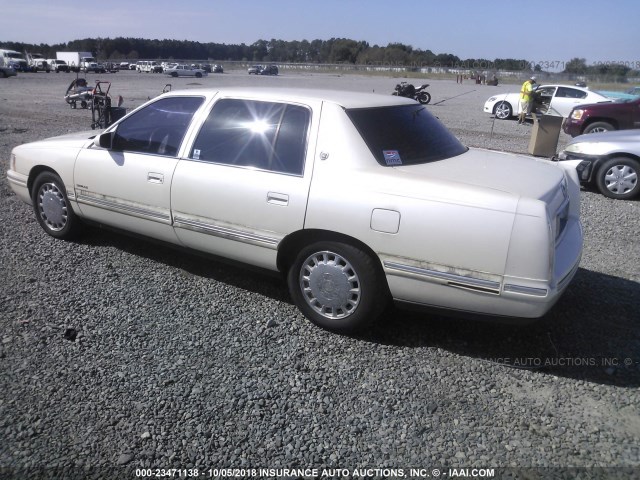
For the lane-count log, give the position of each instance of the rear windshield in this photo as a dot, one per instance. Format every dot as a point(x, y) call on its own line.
point(404, 135)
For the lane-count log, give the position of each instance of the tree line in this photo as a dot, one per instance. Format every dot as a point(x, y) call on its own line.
point(332, 51)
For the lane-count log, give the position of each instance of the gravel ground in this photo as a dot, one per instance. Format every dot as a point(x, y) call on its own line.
point(183, 362)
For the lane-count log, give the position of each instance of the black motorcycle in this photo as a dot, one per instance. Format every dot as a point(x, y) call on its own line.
point(405, 89)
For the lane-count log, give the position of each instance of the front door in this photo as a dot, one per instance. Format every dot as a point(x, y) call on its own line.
point(129, 185)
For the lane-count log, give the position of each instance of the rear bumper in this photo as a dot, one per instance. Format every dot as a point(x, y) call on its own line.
point(510, 297)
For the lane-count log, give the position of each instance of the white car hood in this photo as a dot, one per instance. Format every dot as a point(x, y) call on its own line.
point(518, 175)
point(71, 140)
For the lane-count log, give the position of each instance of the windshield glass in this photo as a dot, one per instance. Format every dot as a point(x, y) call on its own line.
point(405, 135)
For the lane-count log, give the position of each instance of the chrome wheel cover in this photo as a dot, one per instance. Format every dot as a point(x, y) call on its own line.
point(598, 130)
point(502, 111)
point(621, 179)
point(330, 285)
point(52, 207)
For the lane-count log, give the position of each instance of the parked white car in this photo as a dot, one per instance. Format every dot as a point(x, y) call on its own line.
point(185, 71)
point(58, 65)
point(355, 197)
point(555, 100)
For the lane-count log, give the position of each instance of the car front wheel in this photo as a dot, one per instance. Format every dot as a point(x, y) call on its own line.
point(598, 127)
point(337, 286)
point(618, 178)
point(52, 208)
point(502, 110)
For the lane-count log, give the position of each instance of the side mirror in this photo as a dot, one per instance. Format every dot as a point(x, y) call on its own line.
point(104, 140)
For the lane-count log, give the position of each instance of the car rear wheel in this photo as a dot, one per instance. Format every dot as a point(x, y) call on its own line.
point(52, 208)
point(337, 286)
point(618, 178)
point(502, 110)
point(198, 75)
point(597, 127)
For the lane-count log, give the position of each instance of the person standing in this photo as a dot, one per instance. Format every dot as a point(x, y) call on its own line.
point(526, 99)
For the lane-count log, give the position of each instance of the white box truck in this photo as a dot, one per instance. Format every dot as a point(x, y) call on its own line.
point(77, 61)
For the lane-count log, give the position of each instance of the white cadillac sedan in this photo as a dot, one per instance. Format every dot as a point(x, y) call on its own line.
point(356, 198)
point(557, 100)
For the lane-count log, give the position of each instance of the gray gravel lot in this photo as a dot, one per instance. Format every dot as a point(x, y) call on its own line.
point(185, 362)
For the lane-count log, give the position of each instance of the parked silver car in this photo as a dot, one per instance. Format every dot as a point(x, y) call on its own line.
point(608, 160)
point(185, 71)
point(356, 198)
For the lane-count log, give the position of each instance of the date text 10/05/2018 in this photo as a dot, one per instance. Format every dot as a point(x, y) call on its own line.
point(557, 65)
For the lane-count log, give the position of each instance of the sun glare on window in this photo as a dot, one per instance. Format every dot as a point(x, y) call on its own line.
point(257, 126)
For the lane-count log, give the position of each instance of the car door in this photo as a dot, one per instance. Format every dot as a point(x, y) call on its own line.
point(245, 184)
point(128, 185)
point(564, 99)
point(543, 99)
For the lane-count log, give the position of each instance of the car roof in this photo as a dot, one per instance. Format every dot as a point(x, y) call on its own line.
point(345, 99)
point(575, 87)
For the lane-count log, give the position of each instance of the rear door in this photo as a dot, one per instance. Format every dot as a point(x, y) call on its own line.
point(245, 184)
point(564, 99)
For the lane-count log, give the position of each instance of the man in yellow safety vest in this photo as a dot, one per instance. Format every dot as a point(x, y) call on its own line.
point(526, 99)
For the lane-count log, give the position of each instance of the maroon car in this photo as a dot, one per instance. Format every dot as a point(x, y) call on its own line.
point(603, 117)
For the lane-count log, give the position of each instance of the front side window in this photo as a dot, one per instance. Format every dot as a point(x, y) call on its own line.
point(263, 135)
point(158, 128)
point(545, 91)
point(404, 135)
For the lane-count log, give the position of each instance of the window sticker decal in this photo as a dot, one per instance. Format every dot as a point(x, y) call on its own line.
point(196, 154)
point(392, 157)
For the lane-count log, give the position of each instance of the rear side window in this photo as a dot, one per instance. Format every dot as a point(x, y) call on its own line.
point(565, 92)
point(404, 135)
point(158, 128)
point(263, 135)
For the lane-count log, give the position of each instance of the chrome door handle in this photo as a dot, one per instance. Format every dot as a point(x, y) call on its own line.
point(155, 177)
point(275, 198)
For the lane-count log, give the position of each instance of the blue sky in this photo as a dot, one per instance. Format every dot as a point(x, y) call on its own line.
point(547, 31)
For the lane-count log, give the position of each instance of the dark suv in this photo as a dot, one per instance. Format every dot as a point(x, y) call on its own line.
point(603, 117)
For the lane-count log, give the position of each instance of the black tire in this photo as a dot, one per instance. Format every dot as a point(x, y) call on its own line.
point(503, 110)
point(597, 127)
point(198, 75)
point(174, 74)
point(337, 286)
point(424, 97)
point(618, 178)
point(52, 208)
